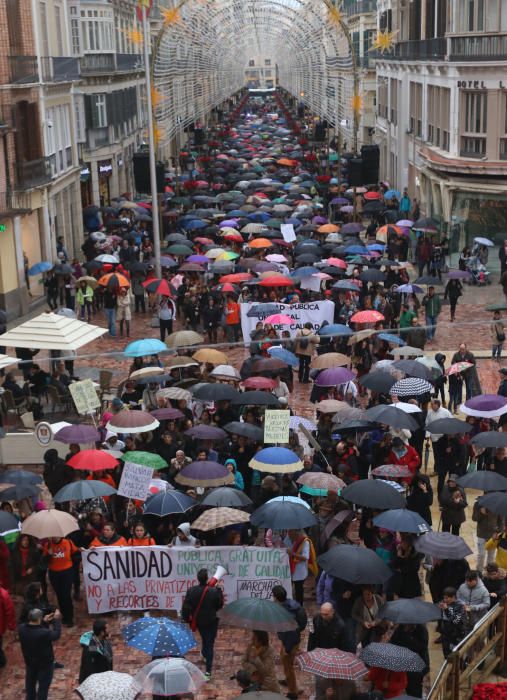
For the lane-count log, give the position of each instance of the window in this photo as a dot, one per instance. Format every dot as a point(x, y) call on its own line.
point(382, 98)
point(44, 28)
point(98, 30)
point(267, 62)
point(251, 62)
point(59, 32)
point(438, 111)
point(393, 101)
point(101, 110)
point(474, 121)
point(79, 117)
point(416, 109)
point(75, 36)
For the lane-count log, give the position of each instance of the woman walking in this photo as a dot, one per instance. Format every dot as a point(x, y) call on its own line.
point(453, 291)
point(123, 309)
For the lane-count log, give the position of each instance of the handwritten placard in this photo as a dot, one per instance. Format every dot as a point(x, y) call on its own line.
point(84, 396)
point(135, 481)
point(288, 234)
point(276, 426)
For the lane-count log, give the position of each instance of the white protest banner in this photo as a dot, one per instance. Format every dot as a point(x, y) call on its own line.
point(135, 481)
point(288, 234)
point(276, 426)
point(315, 312)
point(84, 396)
point(157, 578)
point(311, 282)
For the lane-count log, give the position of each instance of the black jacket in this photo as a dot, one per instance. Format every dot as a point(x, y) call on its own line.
point(37, 643)
point(418, 501)
point(326, 635)
point(212, 601)
point(96, 657)
point(292, 638)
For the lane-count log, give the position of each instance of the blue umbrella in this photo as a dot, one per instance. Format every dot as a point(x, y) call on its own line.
point(39, 268)
point(159, 636)
point(283, 515)
point(278, 460)
point(83, 490)
point(284, 355)
point(390, 338)
point(335, 329)
point(146, 346)
point(167, 502)
point(194, 224)
point(356, 250)
point(259, 217)
point(379, 247)
point(392, 194)
point(304, 271)
point(402, 520)
point(345, 285)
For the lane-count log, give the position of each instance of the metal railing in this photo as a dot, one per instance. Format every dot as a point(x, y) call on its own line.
point(474, 658)
point(12, 202)
point(129, 61)
point(23, 69)
point(93, 63)
point(489, 47)
point(33, 173)
point(59, 68)
point(360, 7)
point(417, 50)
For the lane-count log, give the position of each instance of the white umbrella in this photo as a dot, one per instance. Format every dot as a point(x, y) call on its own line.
point(109, 685)
point(483, 241)
point(169, 677)
point(226, 371)
point(49, 523)
point(52, 332)
point(106, 258)
point(407, 407)
point(5, 361)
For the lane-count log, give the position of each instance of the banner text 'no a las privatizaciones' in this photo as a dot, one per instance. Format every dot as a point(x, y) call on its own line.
point(315, 312)
point(157, 578)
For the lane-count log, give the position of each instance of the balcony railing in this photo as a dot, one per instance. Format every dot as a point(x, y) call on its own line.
point(489, 47)
point(23, 69)
point(360, 7)
point(417, 50)
point(13, 202)
point(33, 173)
point(59, 68)
point(129, 61)
point(96, 63)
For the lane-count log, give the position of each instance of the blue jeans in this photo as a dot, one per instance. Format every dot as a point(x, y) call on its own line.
point(431, 323)
point(208, 635)
point(111, 321)
point(40, 677)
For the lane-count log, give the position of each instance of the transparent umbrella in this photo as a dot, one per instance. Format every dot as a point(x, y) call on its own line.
point(169, 677)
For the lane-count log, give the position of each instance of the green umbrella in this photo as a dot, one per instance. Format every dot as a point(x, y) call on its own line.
point(273, 223)
point(145, 459)
point(257, 614)
point(499, 306)
point(310, 491)
point(178, 249)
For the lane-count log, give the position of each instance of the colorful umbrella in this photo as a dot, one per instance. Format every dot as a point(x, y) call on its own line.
point(93, 460)
point(458, 367)
point(276, 460)
point(393, 471)
point(332, 663)
point(158, 286)
point(368, 316)
point(114, 280)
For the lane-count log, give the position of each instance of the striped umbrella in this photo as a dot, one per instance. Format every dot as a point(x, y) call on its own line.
point(411, 386)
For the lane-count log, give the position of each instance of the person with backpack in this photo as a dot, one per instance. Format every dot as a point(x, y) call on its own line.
point(290, 640)
point(199, 609)
point(306, 342)
point(302, 557)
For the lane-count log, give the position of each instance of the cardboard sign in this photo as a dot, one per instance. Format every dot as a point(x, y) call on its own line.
point(288, 234)
point(157, 578)
point(276, 426)
point(84, 396)
point(135, 481)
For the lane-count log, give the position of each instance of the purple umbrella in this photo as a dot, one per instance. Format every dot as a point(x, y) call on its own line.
point(77, 434)
point(340, 200)
point(197, 259)
point(166, 261)
point(352, 228)
point(167, 414)
point(319, 220)
point(458, 275)
point(205, 474)
point(229, 223)
point(348, 209)
point(206, 432)
point(405, 223)
point(266, 267)
point(334, 376)
point(485, 406)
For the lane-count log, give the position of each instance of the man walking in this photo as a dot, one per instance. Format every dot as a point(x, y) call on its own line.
point(439, 441)
point(432, 307)
point(290, 640)
point(37, 646)
point(97, 652)
point(328, 630)
point(200, 610)
point(470, 374)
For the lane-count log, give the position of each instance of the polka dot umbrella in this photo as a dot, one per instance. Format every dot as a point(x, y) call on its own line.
point(159, 636)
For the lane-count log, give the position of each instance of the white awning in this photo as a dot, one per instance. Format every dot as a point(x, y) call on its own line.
point(5, 361)
point(52, 332)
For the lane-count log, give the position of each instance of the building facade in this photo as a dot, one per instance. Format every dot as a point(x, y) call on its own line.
point(441, 119)
point(261, 74)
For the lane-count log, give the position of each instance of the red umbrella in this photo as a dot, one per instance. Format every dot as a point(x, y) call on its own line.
point(236, 237)
point(337, 262)
point(158, 286)
point(260, 383)
point(282, 243)
point(372, 195)
point(203, 241)
point(226, 288)
point(236, 277)
point(92, 460)
point(368, 316)
point(277, 282)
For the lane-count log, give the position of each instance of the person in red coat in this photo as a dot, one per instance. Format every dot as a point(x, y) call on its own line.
point(5, 555)
point(405, 455)
point(389, 683)
point(7, 620)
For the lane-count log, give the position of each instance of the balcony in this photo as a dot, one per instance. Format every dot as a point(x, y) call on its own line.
point(12, 204)
point(23, 69)
point(33, 173)
point(361, 7)
point(57, 69)
point(97, 63)
point(129, 62)
point(485, 47)
point(417, 50)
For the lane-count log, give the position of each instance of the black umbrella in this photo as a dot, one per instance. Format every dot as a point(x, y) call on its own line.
point(255, 398)
point(372, 275)
point(20, 491)
point(425, 224)
point(495, 502)
point(353, 424)
point(443, 545)
point(259, 310)
point(491, 438)
point(206, 432)
point(409, 611)
point(448, 426)
point(483, 481)
point(413, 368)
point(247, 430)
point(225, 496)
point(354, 564)
point(378, 381)
point(389, 415)
point(283, 515)
point(7, 522)
point(63, 269)
point(216, 392)
point(392, 657)
point(373, 493)
point(429, 280)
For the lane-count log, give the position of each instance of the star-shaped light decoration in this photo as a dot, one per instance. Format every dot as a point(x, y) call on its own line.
point(334, 15)
point(135, 36)
point(357, 104)
point(170, 15)
point(156, 97)
point(383, 41)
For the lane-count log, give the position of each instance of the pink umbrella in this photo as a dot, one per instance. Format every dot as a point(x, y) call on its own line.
point(278, 319)
point(276, 258)
point(337, 262)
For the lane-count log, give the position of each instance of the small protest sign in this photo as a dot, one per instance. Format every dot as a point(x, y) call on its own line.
point(84, 396)
point(135, 481)
point(288, 234)
point(276, 426)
